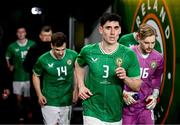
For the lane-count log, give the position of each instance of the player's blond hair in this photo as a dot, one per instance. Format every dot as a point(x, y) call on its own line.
point(146, 30)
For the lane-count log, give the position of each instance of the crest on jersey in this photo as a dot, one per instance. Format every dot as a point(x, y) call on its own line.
point(119, 62)
point(69, 62)
point(153, 64)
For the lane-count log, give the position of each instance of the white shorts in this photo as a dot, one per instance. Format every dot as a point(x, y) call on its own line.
point(21, 88)
point(56, 115)
point(88, 120)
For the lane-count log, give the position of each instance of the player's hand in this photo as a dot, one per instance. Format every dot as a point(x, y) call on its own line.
point(5, 93)
point(127, 97)
point(120, 72)
point(11, 68)
point(42, 100)
point(151, 102)
point(84, 92)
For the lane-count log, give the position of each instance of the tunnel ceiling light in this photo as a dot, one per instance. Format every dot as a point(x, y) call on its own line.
point(36, 11)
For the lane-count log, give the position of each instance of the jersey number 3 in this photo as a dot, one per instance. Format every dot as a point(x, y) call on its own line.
point(106, 71)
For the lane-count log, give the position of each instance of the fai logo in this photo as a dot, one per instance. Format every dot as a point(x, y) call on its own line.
point(157, 14)
point(69, 62)
point(153, 64)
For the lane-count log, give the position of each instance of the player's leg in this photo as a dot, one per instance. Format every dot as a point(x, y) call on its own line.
point(129, 119)
point(17, 90)
point(88, 120)
point(26, 88)
point(27, 101)
point(146, 117)
point(64, 115)
point(50, 115)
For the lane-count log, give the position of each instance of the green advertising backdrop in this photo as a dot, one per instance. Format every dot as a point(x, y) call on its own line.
point(164, 16)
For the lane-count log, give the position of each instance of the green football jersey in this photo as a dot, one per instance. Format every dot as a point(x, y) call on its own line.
point(17, 52)
point(129, 40)
point(106, 102)
point(58, 76)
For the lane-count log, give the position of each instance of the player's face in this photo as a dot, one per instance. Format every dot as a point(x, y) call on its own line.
point(110, 31)
point(147, 45)
point(21, 33)
point(45, 36)
point(59, 51)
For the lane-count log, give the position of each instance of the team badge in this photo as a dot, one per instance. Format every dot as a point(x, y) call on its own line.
point(69, 62)
point(153, 64)
point(119, 62)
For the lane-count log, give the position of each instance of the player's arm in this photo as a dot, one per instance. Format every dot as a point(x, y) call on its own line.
point(75, 89)
point(133, 83)
point(152, 99)
point(156, 78)
point(9, 65)
point(36, 83)
point(156, 84)
point(84, 92)
point(132, 73)
point(8, 57)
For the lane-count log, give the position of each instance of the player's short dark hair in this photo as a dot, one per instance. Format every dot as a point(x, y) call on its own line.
point(20, 27)
point(109, 17)
point(46, 28)
point(58, 39)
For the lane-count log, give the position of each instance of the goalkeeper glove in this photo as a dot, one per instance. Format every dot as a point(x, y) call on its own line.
point(151, 100)
point(128, 97)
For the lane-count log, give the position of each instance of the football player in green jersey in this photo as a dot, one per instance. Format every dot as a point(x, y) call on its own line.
point(110, 66)
point(57, 70)
point(15, 56)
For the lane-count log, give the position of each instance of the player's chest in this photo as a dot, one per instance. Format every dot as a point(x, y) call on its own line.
point(20, 52)
point(58, 67)
point(148, 68)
